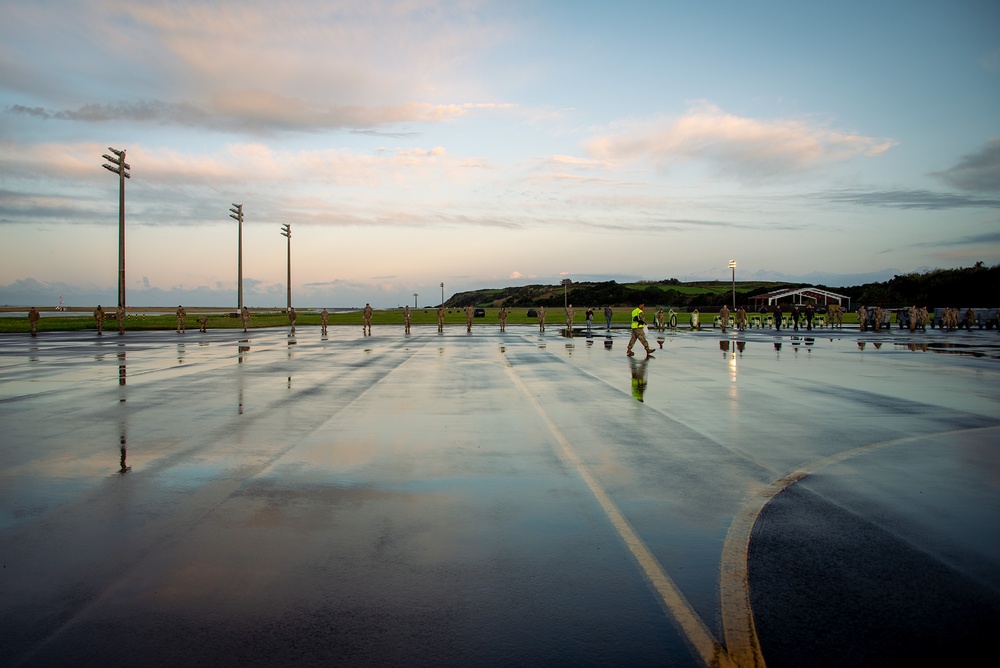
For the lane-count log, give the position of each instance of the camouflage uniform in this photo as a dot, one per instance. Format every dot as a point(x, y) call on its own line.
point(245, 317)
point(324, 320)
point(406, 319)
point(366, 327)
point(503, 319)
point(638, 333)
point(469, 314)
point(292, 317)
point(441, 318)
point(120, 317)
point(862, 316)
point(695, 324)
point(33, 316)
point(724, 317)
point(741, 318)
point(181, 313)
point(99, 319)
point(541, 318)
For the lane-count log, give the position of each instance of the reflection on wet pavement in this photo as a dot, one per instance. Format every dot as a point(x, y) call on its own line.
point(441, 498)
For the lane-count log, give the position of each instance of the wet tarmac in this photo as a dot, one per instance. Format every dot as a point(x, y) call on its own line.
point(497, 499)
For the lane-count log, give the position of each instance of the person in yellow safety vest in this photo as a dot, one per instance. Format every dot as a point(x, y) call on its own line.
point(638, 332)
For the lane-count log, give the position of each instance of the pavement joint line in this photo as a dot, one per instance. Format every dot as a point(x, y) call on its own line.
point(738, 624)
point(704, 644)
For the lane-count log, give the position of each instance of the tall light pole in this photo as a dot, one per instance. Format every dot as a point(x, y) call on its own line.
point(286, 231)
point(121, 168)
point(442, 293)
point(237, 215)
point(732, 265)
point(414, 300)
point(565, 284)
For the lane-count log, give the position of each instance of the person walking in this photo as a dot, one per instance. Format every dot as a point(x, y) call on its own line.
point(503, 318)
point(590, 318)
point(324, 320)
point(541, 318)
point(99, 319)
point(292, 317)
point(441, 318)
point(569, 320)
point(608, 314)
point(366, 325)
point(724, 317)
point(245, 317)
point(470, 313)
point(120, 317)
point(638, 331)
point(406, 319)
point(181, 314)
point(33, 317)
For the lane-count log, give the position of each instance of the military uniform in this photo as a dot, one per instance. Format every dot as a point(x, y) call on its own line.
point(862, 316)
point(470, 312)
point(638, 333)
point(324, 320)
point(292, 317)
point(569, 320)
point(120, 317)
point(406, 319)
point(541, 318)
point(366, 327)
point(181, 313)
point(608, 314)
point(441, 318)
point(99, 319)
point(695, 317)
point(659, 320)
point(245, 317)
point(724, 317)
point(741, 318)
point(503, 319)
point(33, 317)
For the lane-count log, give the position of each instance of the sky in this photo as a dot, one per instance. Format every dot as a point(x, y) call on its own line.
point(485, 144)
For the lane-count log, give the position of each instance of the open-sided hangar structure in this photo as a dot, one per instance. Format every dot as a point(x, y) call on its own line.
point(798, 295)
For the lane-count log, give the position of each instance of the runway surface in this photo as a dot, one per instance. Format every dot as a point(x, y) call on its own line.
point(823, 498)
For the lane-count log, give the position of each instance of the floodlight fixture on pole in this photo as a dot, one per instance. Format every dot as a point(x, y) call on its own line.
point(414, 300)
point(237, 215)
point(565, 283)
point(286, 231)
point(732, 265)
point(121, 168)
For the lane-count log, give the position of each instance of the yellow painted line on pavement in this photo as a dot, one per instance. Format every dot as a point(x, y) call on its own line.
point(705, 646)
point(734, 588)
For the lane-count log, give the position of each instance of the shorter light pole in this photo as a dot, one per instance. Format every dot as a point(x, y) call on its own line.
point(565, 284)
point(237, 215)
point(732, 265)
point(414, 300)
point(286, 231)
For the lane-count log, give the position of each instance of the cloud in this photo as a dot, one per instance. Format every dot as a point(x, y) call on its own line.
point(747, 148)
point(516, 274)
point(255, 112)
point(986, 238)
point(976, 172)
point(908, 199)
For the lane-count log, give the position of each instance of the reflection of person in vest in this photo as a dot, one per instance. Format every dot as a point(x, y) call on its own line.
point(638, 368)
